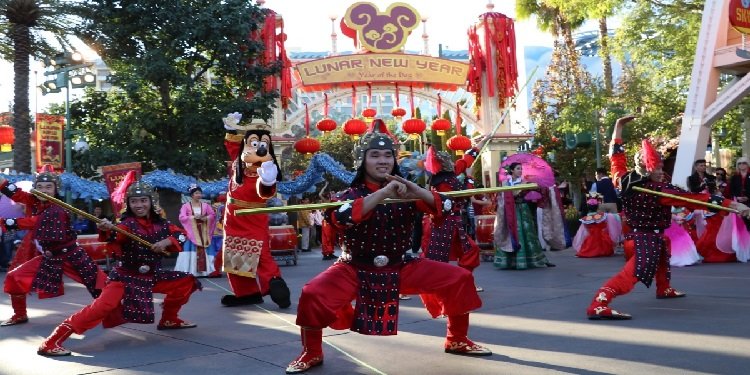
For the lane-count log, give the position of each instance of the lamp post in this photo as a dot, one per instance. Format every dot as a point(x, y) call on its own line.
point(69, 72)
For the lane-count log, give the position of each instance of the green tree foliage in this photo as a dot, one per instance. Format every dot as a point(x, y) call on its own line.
point(26, 29)
point(179, 68)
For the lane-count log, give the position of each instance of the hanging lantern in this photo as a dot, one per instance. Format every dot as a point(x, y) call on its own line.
point(369, 114)
point(440, 126)
point(7, 137)
point(326, 124)
point(398, 113)
point(459, 143)
point(414, 127)
point(307, 146)
point(355, 127)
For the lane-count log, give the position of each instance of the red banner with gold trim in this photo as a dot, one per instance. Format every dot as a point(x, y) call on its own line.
point(114, 174)
point(50, 143)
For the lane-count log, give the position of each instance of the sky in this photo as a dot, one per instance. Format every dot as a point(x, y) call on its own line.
point(308, 28)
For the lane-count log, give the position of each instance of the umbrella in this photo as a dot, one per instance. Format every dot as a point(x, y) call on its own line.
point(535, 169)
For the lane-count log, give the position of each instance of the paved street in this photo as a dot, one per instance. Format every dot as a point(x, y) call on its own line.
point(532, 320)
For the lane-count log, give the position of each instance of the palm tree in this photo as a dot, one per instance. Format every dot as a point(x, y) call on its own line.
point(22, 24)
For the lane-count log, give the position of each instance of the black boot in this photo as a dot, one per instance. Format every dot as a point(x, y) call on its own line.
point(279, 292)
point(232, 300)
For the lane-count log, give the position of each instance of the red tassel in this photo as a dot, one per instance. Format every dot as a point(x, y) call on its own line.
point(118, 195)
point(650, 158)
point(440, 106)
point(354, 101)
point(325, 106)
point(431, 162)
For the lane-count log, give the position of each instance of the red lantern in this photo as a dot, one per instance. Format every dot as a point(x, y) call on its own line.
point(369, 114)
point(398, 113)
point(440, 126)
point(326, 125)
point(459, 144)
point(7, 137)
point(414, 127)
point(355, 127)
point(307, 146)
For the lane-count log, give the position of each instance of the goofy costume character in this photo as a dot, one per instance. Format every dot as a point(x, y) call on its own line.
point(247, 259)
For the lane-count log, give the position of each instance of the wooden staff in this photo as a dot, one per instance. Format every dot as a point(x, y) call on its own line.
point(315, 206)
point(90, 217)
point(685, 199)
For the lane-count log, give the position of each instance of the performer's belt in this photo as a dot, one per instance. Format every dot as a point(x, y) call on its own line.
point(245, 204)
point(60, 249)
point(647, 230)
point(138, 267)
point(377, 261)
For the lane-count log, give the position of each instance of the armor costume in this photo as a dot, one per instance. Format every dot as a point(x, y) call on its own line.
point(128, 295)
point(51, 227)
point(647, 216)
point(372, 271)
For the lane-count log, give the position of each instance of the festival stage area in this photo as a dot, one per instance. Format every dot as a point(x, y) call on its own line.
point(534, 321)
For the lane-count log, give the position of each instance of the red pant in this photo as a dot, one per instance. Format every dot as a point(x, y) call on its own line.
point(329, 238)
point(326, 299)
point(20, 279)
point(624, 281)
point(267, 269)
point(177, 294)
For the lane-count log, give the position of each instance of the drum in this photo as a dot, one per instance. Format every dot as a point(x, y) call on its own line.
point(283, 243)
point(485, 229)
point(96, 249)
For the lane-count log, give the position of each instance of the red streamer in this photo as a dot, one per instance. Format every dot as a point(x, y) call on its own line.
point(398, 104)
point(458, 119)
point(307, 121)
point(354, 101)
point(369, 96)
point(411, 100)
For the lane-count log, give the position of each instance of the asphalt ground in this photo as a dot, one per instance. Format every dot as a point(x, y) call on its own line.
point(534, 322)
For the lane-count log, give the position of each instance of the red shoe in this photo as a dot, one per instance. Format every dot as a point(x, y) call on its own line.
point(15, 319)
point(606, 313)
point(304, 362)
point(669, 293)
point(466, 347)
point(174, 324)
point(52, 346)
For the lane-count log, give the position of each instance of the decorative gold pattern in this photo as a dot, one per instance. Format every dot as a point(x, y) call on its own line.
point(241, 255)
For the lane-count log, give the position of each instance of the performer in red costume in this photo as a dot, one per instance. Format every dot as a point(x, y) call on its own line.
point(372, 269)
point(448, 238)
point(128, 295)
point(251, 270)
point(647, 216)
point(55, 238)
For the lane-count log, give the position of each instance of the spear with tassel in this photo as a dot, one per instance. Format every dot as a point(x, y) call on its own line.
point(322, 206)
point(685, 199)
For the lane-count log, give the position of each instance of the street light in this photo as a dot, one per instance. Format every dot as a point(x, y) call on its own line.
point(69, 71)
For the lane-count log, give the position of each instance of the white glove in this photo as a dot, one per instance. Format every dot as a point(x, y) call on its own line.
point(268, 172)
